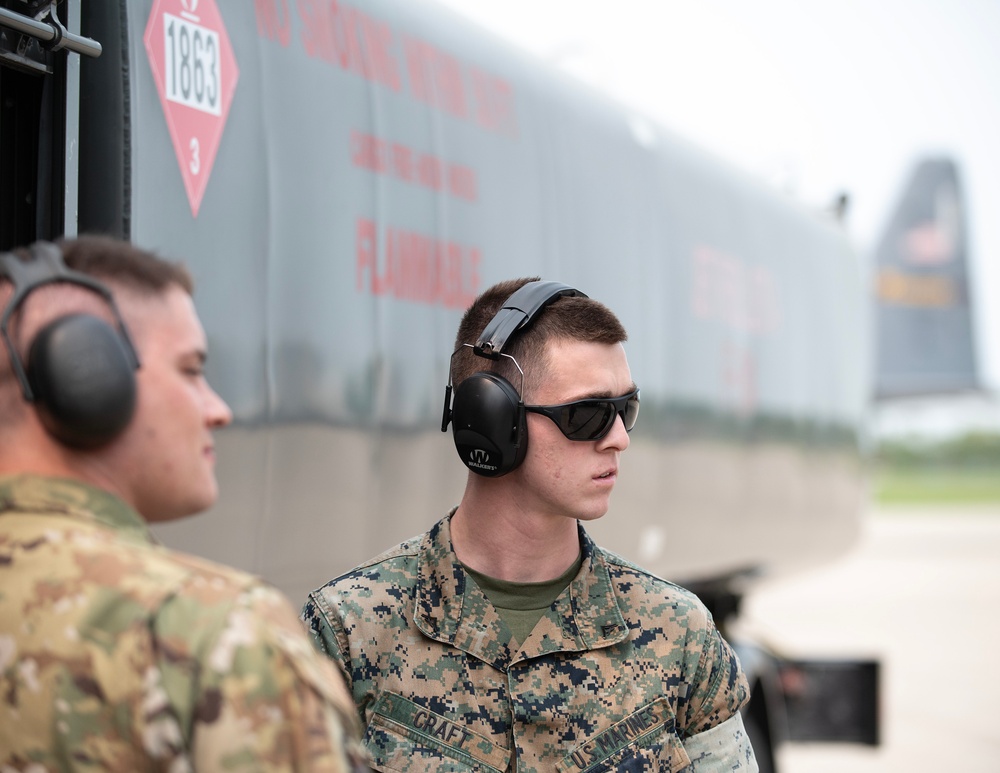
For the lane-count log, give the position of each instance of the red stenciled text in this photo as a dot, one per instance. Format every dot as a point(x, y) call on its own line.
point(494, 102)
point(413, 266)
point(357, 42)
point(274, 22)
point(409, 165)
point(727, 290)
point(435, 76)
point(351, 39)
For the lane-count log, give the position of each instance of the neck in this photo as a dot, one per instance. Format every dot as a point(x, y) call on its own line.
point(492, 534)
point(28, 450)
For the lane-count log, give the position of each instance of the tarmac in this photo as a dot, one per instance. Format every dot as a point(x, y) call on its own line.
point(920, 592)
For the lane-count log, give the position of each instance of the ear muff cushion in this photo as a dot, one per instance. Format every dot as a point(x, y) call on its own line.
point(488, 422)
point(82, 379)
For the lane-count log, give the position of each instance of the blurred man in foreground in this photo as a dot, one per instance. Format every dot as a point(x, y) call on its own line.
point(116, 653)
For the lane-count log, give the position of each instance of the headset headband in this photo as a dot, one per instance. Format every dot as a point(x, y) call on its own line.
point(518, 312)
point(47, 267)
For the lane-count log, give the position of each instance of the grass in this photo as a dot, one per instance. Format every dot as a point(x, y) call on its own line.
point(922, 485)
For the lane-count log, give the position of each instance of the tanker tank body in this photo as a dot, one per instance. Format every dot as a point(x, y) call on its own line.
point(343, 178)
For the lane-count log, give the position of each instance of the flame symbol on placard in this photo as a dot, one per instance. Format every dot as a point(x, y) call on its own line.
point(191, 6)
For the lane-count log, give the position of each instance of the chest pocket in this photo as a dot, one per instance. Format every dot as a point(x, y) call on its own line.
point(644, 741)
point(402, 736)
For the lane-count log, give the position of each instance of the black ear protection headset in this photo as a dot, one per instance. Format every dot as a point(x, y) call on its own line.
point(80, 371)
point(488, 412)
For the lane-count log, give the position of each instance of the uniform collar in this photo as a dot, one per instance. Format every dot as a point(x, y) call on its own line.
point(69, 498)
point(451, 608)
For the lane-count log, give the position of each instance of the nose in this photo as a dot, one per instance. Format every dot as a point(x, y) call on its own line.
point(217, 411)
point(617, 436)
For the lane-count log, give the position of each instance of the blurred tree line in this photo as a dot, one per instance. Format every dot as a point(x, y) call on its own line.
point(962, 469)
point(975, 450)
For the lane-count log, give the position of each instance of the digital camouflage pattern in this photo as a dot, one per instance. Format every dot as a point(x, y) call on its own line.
point(117, 654)
point(723, 749)
point(620, 674)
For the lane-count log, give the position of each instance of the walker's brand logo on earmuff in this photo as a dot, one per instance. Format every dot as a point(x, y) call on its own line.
point(479, 459)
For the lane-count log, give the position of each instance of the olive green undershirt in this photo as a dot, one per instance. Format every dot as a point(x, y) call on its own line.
point(522, 604)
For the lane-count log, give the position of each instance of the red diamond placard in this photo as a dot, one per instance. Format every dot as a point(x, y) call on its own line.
point(195, 73)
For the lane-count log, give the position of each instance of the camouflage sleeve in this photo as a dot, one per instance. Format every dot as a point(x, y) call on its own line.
point(328, 632)
point(719, 688)
point(261, 697)
point(723, 749)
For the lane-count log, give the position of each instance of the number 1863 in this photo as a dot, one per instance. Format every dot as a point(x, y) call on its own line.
point(192, 65)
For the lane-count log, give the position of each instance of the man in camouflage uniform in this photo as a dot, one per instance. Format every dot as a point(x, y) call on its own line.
point(504, 639)
point(117, 654)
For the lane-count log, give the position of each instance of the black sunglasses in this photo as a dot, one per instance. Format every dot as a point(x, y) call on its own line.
point(593, 418)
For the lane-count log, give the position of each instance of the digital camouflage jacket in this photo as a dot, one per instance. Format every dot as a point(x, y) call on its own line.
point(624, 672)
point(117, 654)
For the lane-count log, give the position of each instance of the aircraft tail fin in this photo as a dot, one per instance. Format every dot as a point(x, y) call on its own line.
point(925, 338)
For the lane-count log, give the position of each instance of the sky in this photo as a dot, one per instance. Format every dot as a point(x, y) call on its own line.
point(813, 98)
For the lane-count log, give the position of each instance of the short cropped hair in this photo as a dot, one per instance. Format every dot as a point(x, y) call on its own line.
point(569, 318)
point(113, 260)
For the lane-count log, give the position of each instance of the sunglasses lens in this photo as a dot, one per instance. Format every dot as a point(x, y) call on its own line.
point(631, 414)
point(591, 419)
point(587, 420)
